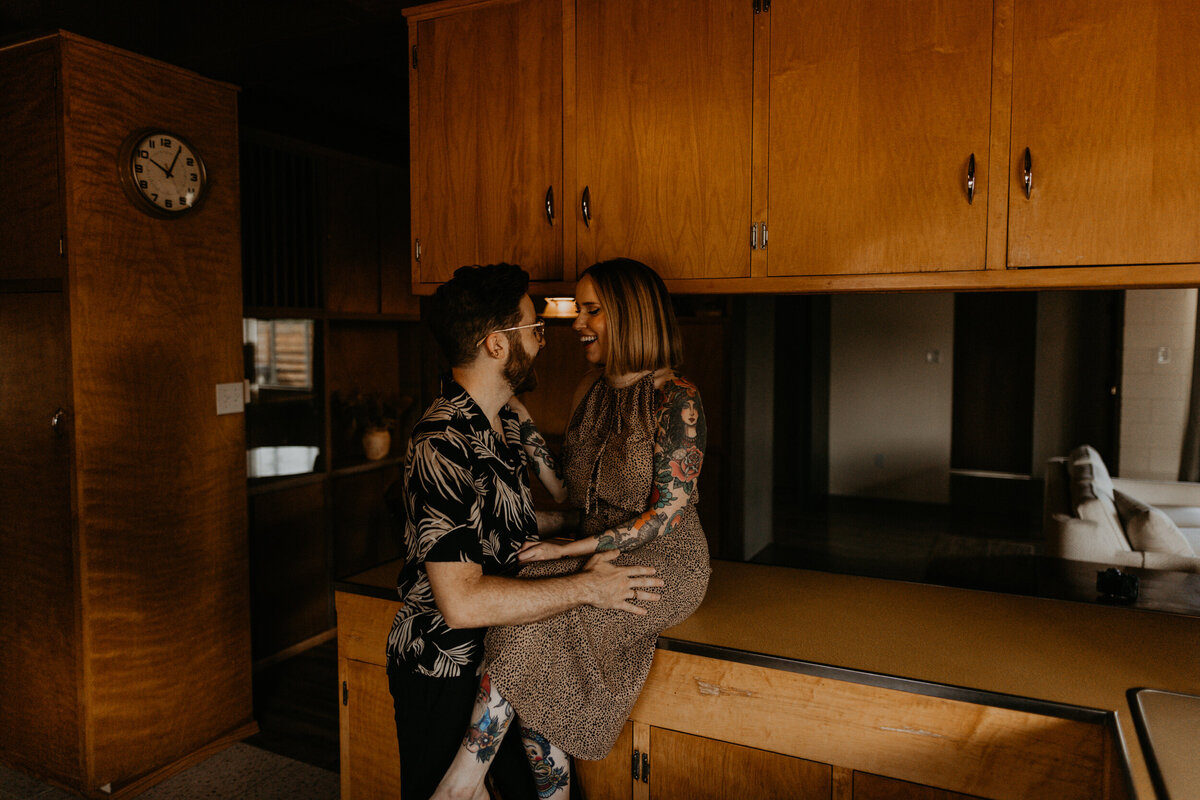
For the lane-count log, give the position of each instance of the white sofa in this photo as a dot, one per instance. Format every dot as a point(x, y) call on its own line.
point(1090, 516)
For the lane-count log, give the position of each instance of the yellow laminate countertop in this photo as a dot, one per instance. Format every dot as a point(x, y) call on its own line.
point(1079, 654)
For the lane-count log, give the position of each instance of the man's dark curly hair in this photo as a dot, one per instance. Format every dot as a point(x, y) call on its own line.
point(472, 304)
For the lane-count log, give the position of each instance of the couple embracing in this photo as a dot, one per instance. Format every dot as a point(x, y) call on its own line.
point(498, 626)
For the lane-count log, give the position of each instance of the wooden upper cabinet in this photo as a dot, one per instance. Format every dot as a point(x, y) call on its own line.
point(1106, 97)
point(875, 110)
point(486, 99)
point(665, 100)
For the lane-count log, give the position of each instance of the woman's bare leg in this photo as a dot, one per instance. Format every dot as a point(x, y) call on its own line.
point(551, 766)
point(489, 722)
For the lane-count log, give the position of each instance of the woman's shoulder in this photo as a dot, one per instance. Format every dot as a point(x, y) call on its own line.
point(668, 382)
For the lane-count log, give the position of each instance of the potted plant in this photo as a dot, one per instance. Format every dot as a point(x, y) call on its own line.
point(369, 419)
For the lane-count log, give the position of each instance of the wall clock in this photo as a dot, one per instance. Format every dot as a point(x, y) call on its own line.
point(162, 173)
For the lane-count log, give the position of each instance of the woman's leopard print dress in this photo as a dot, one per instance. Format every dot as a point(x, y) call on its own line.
point(574, 677)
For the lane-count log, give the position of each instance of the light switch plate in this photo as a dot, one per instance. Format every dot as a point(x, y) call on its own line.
point(230, 398)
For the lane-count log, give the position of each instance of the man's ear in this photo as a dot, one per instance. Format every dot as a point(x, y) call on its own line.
point(495, 345)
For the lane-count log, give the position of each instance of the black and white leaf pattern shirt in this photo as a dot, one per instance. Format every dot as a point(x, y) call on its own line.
point(466, 498)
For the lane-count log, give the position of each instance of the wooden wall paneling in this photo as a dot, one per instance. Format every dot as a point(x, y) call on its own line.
point(685, 767)
point(361, 358)
point(39, 625)
point(30, 210)
point(665, 98)
point(155, 304)
point(487, 136)
point(364, 531)
point(352, 241)
point(290, 579)
point(964, 747)
point(609, 778)
point(1105, 95)
point(868, 165)
point(877, 787)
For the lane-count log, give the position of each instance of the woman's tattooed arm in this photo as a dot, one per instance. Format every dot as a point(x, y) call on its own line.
point(543, 462)
point(680, 439)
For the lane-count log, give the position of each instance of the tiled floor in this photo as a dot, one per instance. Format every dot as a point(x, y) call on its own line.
point(240, 772)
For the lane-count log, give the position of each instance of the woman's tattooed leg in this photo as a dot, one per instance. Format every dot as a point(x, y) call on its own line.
point(490, 719)
point(551, 766)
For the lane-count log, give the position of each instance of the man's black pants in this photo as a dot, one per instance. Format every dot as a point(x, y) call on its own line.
point(432, 715)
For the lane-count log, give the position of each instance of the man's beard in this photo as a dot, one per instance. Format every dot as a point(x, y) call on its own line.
point(519, 371)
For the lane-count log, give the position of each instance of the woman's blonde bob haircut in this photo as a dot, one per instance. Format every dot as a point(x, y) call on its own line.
point(642, 331)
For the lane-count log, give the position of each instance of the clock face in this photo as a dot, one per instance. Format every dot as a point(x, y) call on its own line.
point(163, 173)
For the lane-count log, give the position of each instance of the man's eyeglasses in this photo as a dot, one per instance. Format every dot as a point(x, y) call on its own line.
point(539, 330)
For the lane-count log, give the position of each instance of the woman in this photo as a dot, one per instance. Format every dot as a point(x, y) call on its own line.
point(631, 457)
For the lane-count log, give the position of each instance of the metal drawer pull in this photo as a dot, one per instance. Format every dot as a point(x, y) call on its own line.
point(550, 206)
point(971, 179)
point(1028, 177)
point(586, 207)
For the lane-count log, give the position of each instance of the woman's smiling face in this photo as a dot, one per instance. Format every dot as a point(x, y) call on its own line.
point(590, 323)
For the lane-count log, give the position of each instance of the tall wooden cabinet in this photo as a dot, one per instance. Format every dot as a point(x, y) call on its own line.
point(124, 623)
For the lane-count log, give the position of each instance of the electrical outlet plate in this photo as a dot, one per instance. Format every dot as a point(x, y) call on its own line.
point(230, 399)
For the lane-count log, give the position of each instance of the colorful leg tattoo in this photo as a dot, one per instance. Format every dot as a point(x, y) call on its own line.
point(551, 766)
point(492, 717)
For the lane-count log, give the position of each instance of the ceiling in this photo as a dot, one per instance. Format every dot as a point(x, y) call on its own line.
point(331, 72)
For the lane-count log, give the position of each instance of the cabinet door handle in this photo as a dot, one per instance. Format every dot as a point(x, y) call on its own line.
point(586, 207)
point(1027, 178)
point(971, 179)
point(550, 206)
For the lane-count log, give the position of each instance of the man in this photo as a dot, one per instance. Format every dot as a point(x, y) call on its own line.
point(468, 510)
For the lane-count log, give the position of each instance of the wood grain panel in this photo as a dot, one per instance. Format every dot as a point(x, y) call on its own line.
point(395, 258)
point(156, 305)
point(665, 97)
point(1106, 95)
point(992, 752)
point(877, 787)
point(39, 627)
point(609, 778)
point(687, 767)
point(867, 160)
point(363, 624)
point(373, 770)
point(487, 139)
point(30, 207)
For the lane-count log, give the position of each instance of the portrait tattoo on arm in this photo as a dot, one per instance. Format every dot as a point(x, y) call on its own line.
point(681, 436)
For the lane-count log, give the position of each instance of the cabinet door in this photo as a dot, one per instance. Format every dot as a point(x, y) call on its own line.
point(370, 765)
point(38, 630)
point(877, 787)
point(664, 110)
point(609, 778)
point(685, 767)
point(487, 139)
point(1106, 97)
point(875, 110)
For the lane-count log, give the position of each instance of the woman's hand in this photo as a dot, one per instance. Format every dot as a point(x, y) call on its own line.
point(541, 551)
point(519, 407)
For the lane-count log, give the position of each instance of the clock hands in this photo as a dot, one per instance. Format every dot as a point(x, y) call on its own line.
point(166, 171)
point(171, 168)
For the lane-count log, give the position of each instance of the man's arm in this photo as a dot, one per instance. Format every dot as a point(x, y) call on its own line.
point(469, 599)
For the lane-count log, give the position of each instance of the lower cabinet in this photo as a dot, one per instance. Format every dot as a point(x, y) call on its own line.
point(710, 727)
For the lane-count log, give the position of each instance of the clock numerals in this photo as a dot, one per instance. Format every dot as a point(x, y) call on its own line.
point(162, 173)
